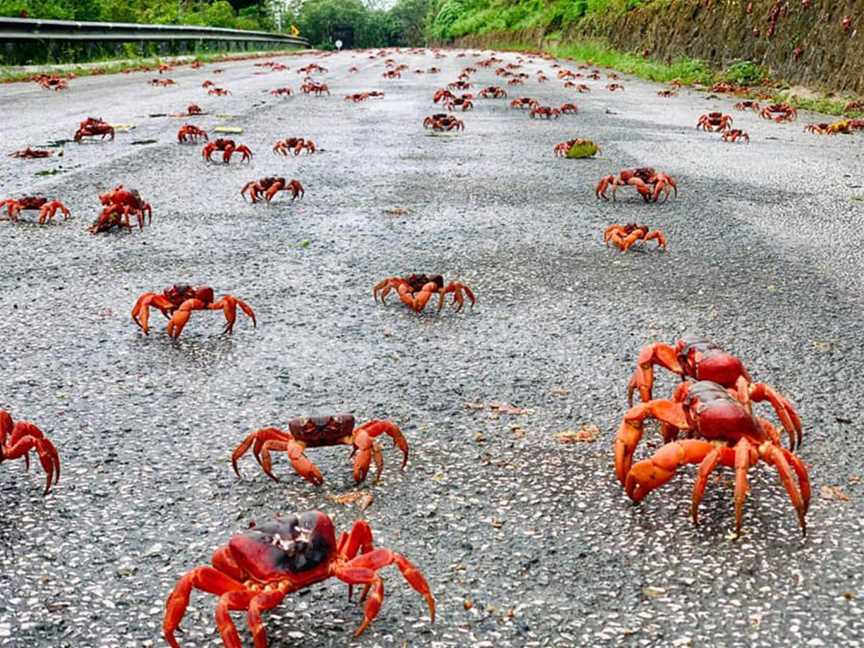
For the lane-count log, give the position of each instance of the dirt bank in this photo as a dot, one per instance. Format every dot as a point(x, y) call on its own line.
point(798, 43)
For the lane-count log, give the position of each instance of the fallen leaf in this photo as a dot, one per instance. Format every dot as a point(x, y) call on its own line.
point(233, 130)
point(585, 434)
point(854, 479)
point(363, 498)
point(396, 211)
point(468, 604)
point(833, 493)
point(821, 345)
point(479, 438)
point(653, 592)
point(560, 391)
point(507, 408)
point(475, 406)
point(518, 431)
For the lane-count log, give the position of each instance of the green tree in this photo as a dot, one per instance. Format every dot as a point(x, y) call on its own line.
point(318, 18)
point(409, 17)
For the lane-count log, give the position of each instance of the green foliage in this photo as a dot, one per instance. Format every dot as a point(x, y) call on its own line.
point(745, 73)
point(210, 13)
point(455, 18)
point(581, 150)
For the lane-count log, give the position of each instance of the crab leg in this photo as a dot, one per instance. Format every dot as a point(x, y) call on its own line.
point(358, 540)
point(715, 457)
point(630, 431)
point(643, 376)
point(745, 457)
point(776, 457)
point(258, 604)
point(228, 305)
point(181, 316)
point(649, 474)
point(258, 437)
point(295, 449)
point(141, 310)
point(232, 601)
point(457, 289)
point(785, 412)
point(658, 235)
point(207, 579)
point(363, 570)
point(364, 445)
point(47, 456)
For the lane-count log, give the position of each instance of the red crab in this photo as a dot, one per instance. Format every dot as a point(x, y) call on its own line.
point(312, 68)
point(319, 431)
point(50, 82)
point(190, 133)
point(120, 203)
point(228, 148)
point(649, 182)
point(625, 236)
point(748, 105)
point(18, 439)
point(523, 103)
point(443, 122)
point(442, 95)
point(415, 291)
point(667, 93)
point(207, 84)
point(779, 112)
point(515, 82)
point(543, 112)
point(269, 187)
point(30, 154)
point(93, 127)
point(714, 121)
point(392, 74)
point(260, 566)
point(728, 434)
point(568, 109)
point(194, 109)
point(218, 92)
point(162, 82)
point(47, 208)
point(493, 92)
point(282, 92)
point(177, 302)
point(318, 89)
point(294, 145)
point(612, 87)
point(459, 85)
point(697, 358)
point(580, 87)
point(735, 134)
point(464, 102)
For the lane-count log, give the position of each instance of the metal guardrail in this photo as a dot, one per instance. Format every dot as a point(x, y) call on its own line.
point(26, 29)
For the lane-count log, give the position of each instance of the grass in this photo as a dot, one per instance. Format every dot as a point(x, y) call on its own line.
point(15, 74)
point(687, 71)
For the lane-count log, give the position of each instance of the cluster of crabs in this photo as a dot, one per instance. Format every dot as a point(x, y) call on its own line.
point(708, 419)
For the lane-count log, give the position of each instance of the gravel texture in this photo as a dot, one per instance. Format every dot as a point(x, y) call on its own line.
point(525, 541)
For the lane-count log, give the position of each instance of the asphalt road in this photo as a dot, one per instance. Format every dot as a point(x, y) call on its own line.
point(525, 541)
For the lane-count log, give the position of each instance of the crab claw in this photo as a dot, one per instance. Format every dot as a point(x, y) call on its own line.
point(366, 448)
